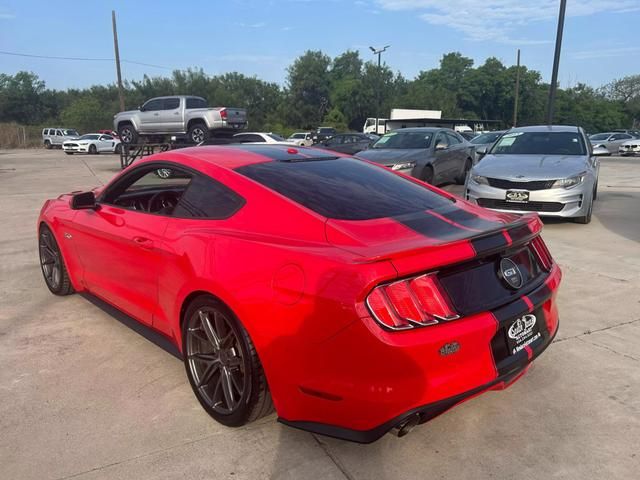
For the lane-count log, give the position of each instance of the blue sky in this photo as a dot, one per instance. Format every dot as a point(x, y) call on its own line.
point(263, 37)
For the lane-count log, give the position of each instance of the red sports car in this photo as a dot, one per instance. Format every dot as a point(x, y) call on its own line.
point(352, 299)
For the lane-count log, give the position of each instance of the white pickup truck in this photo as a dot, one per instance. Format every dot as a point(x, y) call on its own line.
point(178, 115)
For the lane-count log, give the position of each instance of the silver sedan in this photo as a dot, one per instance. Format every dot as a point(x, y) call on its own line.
point(551, 170)
point(611, 141)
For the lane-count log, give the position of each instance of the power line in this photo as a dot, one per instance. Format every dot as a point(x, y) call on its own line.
point(82, 59)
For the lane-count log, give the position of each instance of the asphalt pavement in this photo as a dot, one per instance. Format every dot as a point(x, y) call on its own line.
point(84, 393)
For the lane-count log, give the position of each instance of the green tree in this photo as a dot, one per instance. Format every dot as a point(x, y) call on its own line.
point(308, 85)
point(86, 114)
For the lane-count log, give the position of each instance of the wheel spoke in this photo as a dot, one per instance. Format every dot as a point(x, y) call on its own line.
point(227, 389)
point(209, 330)
point(208, 374)
point(237, 382)
point(205, 357)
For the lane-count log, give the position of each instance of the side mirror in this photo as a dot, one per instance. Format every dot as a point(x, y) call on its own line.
point(600, 151)
point(141, 108)
point(441, 146)
point(84, 201)
point(482, 150)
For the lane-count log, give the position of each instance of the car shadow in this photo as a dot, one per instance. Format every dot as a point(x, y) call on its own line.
point(147, 332)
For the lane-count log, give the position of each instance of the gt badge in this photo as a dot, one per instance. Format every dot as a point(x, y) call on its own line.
point(510, 273)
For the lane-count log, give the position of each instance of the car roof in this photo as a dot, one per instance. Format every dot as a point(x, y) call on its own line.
point(418, 129)
point(547, 128)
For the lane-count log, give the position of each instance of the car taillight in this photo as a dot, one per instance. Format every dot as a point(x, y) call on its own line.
point(223, 113)
point(410, 303)
point(542, 253)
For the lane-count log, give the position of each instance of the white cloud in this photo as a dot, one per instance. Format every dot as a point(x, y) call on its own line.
point(605, 53)
point(497, 20)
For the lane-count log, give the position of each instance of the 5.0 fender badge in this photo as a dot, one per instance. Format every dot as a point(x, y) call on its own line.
point(449, 348)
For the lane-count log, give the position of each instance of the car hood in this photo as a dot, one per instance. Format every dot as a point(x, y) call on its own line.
point(530, 167)
point(390, 156)
point(635, 141)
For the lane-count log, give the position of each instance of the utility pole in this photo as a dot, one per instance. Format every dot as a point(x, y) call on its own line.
point(379, 53)
point(517, 94)
point(556, 61)
point(115, 46)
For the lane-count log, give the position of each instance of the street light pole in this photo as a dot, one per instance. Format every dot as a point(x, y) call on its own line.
point(378, 52)
point(556, 61)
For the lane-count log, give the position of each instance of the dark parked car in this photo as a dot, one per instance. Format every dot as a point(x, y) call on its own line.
point(435, 155)
point(484, 141)
point(351, 143)
point(323, 133)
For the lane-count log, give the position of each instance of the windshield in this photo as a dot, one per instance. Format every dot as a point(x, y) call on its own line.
point(540, 143)
point(488, 137)
point(70, 132)
point(89, 137)
point(297, 135)
point(600, 136)
point(277, 138)
point(405, 140)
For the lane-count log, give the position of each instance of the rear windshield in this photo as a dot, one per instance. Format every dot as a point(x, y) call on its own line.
point(345, 188)
point(540, 143)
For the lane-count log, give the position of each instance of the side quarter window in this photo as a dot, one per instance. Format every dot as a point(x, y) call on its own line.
point(208, 199)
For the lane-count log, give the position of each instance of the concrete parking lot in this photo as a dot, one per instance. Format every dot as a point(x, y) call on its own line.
point(85, 394)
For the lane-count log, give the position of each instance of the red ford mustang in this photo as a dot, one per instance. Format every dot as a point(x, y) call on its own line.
point(352, 299)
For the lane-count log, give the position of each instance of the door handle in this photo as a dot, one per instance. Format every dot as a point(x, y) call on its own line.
point(143, 242)
point(176, 113)
point(156, 114)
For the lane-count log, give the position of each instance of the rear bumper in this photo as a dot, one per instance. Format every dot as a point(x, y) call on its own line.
point(390, 376)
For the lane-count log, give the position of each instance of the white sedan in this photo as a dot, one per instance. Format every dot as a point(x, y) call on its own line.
point(303, 139)
point(630, 147)
point(92, 143)
point(257, 137)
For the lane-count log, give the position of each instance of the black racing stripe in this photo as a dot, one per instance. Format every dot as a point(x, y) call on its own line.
point(511, 311)
point(540, 295)
point(468, 219)
point(432, 226)
point(280, 153)
point(489, 243)
point(519, 233)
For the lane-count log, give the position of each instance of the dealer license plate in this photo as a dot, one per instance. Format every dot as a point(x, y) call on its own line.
point(523, 331)
point(517, 196)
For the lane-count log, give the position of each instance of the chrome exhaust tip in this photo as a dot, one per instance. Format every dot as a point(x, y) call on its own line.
point(405, 427)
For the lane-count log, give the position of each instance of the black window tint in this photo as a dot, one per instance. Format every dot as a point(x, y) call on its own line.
point(441, 139)
point(206, 198)
point(171, 103)
point(196, 103)
point(335, 141)
point(345, 188)
point(453, 139)
point(153, 105)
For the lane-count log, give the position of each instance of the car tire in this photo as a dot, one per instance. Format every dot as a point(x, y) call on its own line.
point(118, 149)
point(427, 174)
point(128, 134)
point(52, 264)
point(463, 176)
point(198, 133)
point(586, 219)
point(93, 150)
point(47, 144)
point(69, 153)
point(222, 364)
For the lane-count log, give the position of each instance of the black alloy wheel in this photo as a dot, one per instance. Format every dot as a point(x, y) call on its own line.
point(52, 264)
point(47, 144)
point(92, 149)
point(222, 364)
